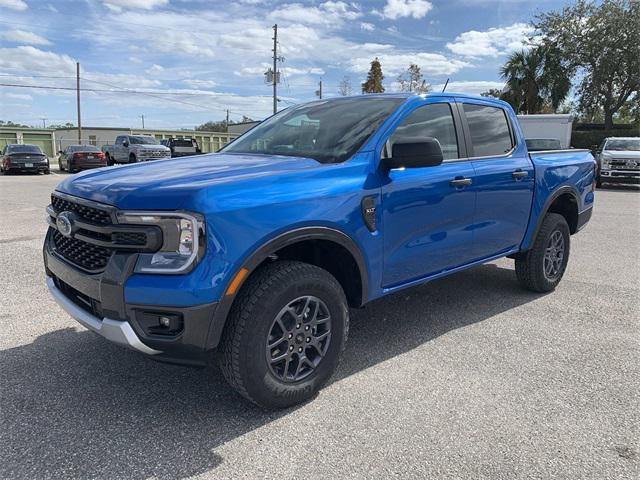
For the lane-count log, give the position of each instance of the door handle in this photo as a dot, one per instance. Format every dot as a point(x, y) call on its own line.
point(519, 174)
point(460, 182)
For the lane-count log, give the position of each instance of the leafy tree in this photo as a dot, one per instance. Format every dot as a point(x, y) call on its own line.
point(9, 123)
point(373, 84)
point(600, 44)
point(411, 80)
point(492, 93)
point(213, 126)
point(220, 125)
point(344, 87)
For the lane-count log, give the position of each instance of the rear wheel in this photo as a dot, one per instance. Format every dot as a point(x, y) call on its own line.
point(110, 161)
point(285, 334)
point(541, 268)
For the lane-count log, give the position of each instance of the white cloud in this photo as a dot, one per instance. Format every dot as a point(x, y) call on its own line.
point(369, 27)
point(471, 87)
point(33, 60)
point(154, 69)
point(492, 42)
point(23, 37)
point(200, 83)
point(328, 13)
point(18, 5)
point(405, 8)
point(303, 71)
point(19, 96)
point(118, 5)
point(395, 63)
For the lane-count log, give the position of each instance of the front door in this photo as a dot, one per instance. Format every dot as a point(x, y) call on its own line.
point(504, 180)
point(428, 212)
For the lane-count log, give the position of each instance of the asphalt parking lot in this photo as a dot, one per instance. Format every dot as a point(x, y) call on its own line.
point(465, 377)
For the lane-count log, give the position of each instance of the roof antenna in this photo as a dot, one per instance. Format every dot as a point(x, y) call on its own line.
point(445, 85)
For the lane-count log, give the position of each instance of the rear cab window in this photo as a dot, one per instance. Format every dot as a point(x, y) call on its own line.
point(490, 130)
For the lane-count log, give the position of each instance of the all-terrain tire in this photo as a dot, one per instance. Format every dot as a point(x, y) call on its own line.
point(244, 358)
point(530, 266)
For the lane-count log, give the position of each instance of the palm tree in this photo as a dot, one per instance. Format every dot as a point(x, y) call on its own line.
point(536, 80)
point(523, 73)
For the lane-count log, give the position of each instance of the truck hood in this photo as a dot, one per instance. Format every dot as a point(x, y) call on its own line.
point(171, 184)
point(630, 154)
point(148, 147)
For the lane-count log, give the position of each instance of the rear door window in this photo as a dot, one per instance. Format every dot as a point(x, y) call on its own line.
point(489, 128)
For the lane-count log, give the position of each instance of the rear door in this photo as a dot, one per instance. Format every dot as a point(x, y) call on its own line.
point(428, 211)
point(504, 178)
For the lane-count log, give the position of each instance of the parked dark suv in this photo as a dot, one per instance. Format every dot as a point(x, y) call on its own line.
point(182, 147)
point(23, 158)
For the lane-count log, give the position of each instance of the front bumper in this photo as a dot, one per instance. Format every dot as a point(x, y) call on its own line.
point(620, 176)
point(116, 331)
point(97, 301)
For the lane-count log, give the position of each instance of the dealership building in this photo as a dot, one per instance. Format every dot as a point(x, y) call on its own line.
point(54, 140)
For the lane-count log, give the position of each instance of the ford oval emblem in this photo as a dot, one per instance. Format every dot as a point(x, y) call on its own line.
point(64, 222)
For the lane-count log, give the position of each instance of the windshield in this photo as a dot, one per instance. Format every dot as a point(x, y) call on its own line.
point(24, 149)
point(329, 131)
point(143, 140)
point(628, 144)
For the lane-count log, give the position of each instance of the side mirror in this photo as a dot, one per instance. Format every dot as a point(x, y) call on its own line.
point(60, 152)
point(415, 153)
point(125, 144)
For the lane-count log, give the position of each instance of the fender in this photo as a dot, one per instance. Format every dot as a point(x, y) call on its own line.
point(269, 248)
point(552, 198)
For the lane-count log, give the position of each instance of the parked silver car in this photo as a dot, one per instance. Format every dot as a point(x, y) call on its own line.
point(618, 160)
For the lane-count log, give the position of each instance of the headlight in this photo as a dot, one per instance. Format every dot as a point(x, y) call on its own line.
point(182, 240)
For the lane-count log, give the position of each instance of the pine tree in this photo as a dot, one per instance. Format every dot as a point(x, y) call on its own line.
point(373, 84)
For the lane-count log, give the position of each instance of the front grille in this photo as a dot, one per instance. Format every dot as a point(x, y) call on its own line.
point(86, 213)
point(129, 238)
point(85, 255)
point(154, 154)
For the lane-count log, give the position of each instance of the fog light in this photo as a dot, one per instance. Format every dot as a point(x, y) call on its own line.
point(164, 324)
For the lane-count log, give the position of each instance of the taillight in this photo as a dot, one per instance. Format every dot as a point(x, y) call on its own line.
point(100, 155)
point(77, 155)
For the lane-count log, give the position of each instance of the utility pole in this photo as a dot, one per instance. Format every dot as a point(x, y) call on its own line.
point(44, 122)
point(319, 91)
point(226, 123)
point(142, 117)
point(275, 68)
point(78, 102)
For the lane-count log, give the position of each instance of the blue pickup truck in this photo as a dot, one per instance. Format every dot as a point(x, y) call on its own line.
point(251, 257)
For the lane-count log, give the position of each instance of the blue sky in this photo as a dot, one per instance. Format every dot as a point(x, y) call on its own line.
point(195, 59)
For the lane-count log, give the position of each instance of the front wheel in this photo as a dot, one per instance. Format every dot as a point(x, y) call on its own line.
point(132, 158)
point(541, 268)
point(285, 334)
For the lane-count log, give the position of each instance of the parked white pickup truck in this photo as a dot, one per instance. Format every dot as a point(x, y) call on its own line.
point(135, 148)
